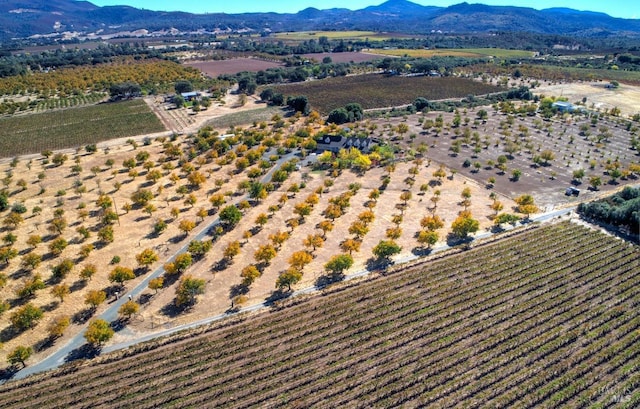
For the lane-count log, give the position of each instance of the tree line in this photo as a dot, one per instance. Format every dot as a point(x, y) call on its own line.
point(22, 62)
point(622, 209)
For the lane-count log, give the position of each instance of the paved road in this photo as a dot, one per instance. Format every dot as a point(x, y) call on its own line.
point(111, 313)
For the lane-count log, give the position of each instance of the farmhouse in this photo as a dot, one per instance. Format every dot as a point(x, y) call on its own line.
point(334, 143)
point(189, 96)
point(564, 106)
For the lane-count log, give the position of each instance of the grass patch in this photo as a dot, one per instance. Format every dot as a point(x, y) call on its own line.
point(244, 117)
point(379, 91)
point(76, 127)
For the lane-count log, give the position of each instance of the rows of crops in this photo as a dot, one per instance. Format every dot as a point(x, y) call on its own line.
point(546, 318)
point(78, 100)
point(9, 108)
point(76, 127)
point(379, 91)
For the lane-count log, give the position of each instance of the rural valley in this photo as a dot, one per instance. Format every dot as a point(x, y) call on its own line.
point(241, 217)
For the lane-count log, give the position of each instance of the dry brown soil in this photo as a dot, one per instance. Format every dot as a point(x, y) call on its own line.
point(132, 233)
point(216, 299)
point(626, 97)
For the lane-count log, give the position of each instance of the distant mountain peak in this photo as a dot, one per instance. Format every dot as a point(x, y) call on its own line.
point(398, 7)
point(25, 18)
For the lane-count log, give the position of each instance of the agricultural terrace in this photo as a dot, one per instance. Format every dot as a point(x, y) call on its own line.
point(73, 218)
point(514, 149)
point(445, 52)
point(74, 127)
point(551, 310)
point(377, 90)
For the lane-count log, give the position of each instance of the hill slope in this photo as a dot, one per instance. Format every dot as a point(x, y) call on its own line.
point(21, 18)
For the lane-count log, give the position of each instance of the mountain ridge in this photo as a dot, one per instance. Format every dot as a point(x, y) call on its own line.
point(22, 18)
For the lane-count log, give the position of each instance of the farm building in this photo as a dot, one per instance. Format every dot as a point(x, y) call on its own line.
point(564, 106)
point(189, 96)
point(334, 143)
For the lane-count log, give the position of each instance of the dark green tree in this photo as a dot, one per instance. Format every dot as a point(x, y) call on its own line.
point(183, 86)
point(26, 317)
point(230, 216)
point(386, 248)
point(19, 354)
point(299, 104)
point(188, 289)
point(338, 264)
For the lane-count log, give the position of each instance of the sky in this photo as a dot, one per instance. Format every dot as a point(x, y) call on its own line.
point(615, 8)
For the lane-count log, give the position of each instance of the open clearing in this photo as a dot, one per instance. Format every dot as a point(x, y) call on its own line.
point(232, 66)
point(346, 57)
point(626, 97)
point(552, 310)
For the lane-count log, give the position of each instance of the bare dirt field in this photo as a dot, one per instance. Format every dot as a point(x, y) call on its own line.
point(598, 97)
point(232, 66)
point(352, 57)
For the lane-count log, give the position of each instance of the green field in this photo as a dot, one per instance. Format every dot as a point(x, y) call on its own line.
point(76, 127)
point(456, 52)
point(379, 91)
point(244, 117)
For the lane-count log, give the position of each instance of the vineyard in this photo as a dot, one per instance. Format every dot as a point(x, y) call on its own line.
point(376, 91)
point(76, 127)
point(546, 318)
